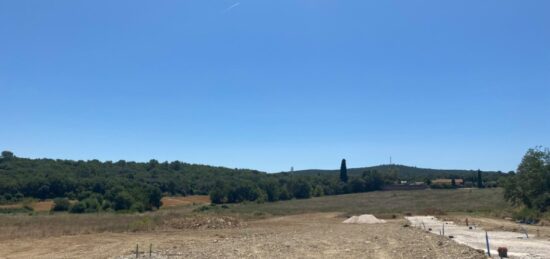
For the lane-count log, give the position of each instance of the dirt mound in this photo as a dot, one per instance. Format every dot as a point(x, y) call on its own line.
point(364, 219)
point(204, 223)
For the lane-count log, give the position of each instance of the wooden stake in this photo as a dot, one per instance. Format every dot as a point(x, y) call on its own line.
point(137, 251)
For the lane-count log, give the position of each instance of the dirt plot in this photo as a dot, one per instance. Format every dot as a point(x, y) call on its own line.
point(38, 206)
point(174, 201)
point(518, 244)
point(319, 235)
point(541, 230)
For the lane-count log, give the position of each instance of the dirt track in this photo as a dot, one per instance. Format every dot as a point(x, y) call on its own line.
point(301, 236)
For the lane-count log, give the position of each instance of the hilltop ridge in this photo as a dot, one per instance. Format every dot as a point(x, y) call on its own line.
point(406, 172)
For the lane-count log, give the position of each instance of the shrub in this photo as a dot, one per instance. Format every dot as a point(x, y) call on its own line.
point(143, 224)
point(106, 205)
point(285, 194)
point(202, 208)
point(18, 196)
point(78, 207)
point(262, 196)
point(137, 206)
point(6, 197)
point(27, 204)
point(217, 195)
point(15, 210)
point(61, 204)
point(318, 191)
point(526, 215)
point(91, 204)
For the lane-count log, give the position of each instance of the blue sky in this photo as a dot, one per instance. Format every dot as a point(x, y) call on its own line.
point(274, 84)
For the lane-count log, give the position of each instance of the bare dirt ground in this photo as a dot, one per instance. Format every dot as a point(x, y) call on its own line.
point(319, 235)
point(519, 245)
point(541, 230)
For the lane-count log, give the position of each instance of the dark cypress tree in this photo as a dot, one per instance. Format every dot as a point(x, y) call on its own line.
point(343, 171)
point(479, 180)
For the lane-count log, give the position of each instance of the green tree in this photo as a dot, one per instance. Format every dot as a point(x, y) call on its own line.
point(374, 181)
point(358, 185)
point(479, 179)
point(78, 207)
point(123, 201)
point(530, 185)
point(272, 189)
point(428, 181)
point(155, 197)
point(7, 155)
point(43, 192)
point(301, 189)
point(218, 195)
point(343, 171)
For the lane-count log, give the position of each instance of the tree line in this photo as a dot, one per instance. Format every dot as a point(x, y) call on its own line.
point(91, 186)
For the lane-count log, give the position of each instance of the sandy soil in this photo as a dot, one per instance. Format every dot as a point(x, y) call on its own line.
point(519, 246)
point(301, 236)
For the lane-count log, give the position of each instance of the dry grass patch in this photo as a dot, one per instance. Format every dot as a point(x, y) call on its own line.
point(38, 206)
point(11, 206)
point(42, 206)
point(175, 201)
point(421, 202)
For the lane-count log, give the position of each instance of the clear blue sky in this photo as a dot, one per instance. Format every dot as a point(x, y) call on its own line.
point(274, 84)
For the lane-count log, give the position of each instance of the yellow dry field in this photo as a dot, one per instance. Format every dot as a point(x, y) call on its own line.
point(175, 201)
point(38, 206)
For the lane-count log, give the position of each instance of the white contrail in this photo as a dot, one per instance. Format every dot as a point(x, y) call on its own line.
point(232, 6)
